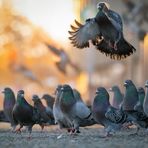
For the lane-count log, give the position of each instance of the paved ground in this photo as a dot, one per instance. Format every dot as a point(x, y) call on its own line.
point(88, 138)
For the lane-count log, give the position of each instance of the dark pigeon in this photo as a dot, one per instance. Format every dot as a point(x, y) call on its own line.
point(117, 97)
point(141, 95)
point(105, 31)
point(45, 117)
point(145, 103)
point(8, 104)
point(24, 114)
point(3, 117)
point(104, 114)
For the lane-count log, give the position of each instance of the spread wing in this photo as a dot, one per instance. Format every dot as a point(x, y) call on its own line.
point(81, 34)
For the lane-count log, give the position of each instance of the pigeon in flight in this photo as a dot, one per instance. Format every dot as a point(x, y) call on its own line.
point(105, 31)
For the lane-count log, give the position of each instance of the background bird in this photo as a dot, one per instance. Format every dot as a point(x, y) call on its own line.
point(45, 116)
point(49, 102)
point(145, 103)
point(3, 117)
point(8, 104)
point(105, 31)
point(117, 96)
point(141, 96)
point(72, 108)
point(24, 114)
point(104, 114)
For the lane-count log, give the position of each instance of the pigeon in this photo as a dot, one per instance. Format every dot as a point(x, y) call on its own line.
point(83, 122)
point(141, 96)
point(24, 114)
point(59, 117)
point(46, 117)
point(72, 108)
point(105, 31)
point(131, 96)
point(145, 103)
point(49, 101)
point(129, 101)
point(8, 104)
point(117, 98)
point(106, 115)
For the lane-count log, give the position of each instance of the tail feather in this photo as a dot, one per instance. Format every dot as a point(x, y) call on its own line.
point(124, 49)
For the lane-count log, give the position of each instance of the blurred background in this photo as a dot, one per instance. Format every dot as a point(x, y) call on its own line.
point(36, 55)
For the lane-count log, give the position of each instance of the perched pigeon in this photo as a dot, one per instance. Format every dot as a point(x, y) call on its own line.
point(8, 104)
point(141, 96)
point(83, 122)
point(23, 113)
point(59, 117)
point(49, 101)
point(46, 117)
point(72, 108)
point(145, 103)
point(129, 101)
point(130, 97)
point(104, 114)
point(117, 96)
point(105, 31)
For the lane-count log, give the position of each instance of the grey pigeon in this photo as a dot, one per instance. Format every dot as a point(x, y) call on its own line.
point(45, 116)
point(130, 97)
point(117, 96)
point(141, 96)
point(72, 108)
point(24, 114)
point(105, 31)
point(145, 103)
point(49, 101)
point(129, 101)
point(59, 117)
point(8, 104)
point(104, 114)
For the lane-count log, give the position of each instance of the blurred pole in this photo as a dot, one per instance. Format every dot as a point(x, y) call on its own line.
point(146, 57)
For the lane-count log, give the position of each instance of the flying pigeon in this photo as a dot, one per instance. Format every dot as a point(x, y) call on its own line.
point(8, 104)
point(105, 31)
point(24, 114)
point(141, 96)
point(117, 97)
point(145, 103)
point(46, 117)
point(106, 115)
point(72, 108)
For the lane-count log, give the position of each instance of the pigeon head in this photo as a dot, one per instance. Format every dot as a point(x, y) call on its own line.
point(128, 83)
point(67, 95)
point(58, 89)
point(114, 88)
point(102, 93)
point(140, 90)
point(20, 93)
point(102, 6)
point(49, 99)
point(7, 90)
point(8, 93)
point(146, 84)
point(35, 98)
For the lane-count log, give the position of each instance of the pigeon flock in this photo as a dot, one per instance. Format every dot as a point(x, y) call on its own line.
point(67, 109)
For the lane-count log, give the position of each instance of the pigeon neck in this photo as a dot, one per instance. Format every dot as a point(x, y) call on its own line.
point(141, 98)
point(9, 96)
point(20, 101)
point(118, 96)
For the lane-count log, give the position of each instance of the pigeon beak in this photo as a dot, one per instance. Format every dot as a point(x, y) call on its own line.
point(125, 84)
point(110, 89)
